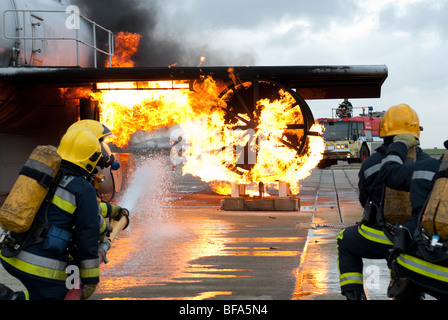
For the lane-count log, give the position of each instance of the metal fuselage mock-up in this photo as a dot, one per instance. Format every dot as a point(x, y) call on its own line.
point(48, 45)
point(44, 33)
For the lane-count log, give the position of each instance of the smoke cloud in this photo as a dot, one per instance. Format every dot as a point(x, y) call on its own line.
point(156, 49)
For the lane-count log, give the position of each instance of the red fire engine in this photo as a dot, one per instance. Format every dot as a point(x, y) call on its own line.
point(348, 137)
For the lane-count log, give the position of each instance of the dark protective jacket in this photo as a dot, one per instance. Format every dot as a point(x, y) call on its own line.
point(415, 177)
point(427, 268)
point(370, 188)
point(74, 212)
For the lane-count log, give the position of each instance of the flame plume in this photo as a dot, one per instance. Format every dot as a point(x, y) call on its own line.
point(207, 145)
point(126, 45)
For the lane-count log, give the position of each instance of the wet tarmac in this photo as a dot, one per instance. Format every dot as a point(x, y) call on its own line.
point(180, 245)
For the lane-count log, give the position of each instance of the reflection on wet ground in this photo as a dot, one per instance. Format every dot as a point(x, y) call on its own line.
point(317, 280)
point(181, 245)
point(186, 249)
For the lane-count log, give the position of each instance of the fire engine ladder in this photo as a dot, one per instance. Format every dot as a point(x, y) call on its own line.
point(76, 16)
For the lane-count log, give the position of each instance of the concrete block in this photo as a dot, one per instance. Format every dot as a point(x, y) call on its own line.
point(286, 204)
point(257, 204)
point(232, 204)
point(260, 204)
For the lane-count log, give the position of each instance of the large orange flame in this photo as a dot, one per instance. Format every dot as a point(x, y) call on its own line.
point(126, 45)
point(209, 147)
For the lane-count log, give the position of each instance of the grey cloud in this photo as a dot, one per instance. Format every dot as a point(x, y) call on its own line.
point(415, 18)
point(250, 14)
point(160, 47)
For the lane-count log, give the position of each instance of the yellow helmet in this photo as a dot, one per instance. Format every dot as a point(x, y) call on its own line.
point(97, 128)
point(101, 132)
point(80, 147)
point(400, 119)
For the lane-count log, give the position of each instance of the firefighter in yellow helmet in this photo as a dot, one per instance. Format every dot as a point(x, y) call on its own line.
point(420, 247)
point(400, 119)
point(65, 231)
point(99, 130)
point(369, 239)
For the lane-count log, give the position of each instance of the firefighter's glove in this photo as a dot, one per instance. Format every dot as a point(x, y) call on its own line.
point(407, 139)
point(117, 212)
point(87, 291)
point(103, 247)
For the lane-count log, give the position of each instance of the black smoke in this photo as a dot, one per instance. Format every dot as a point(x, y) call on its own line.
point(141, 17)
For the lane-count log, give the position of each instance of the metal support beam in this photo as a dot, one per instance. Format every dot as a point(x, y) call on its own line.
point(311, 82)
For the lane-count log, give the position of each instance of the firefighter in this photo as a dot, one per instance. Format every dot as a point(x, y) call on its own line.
point(415, 261)
point(67, 228)
point(99, 130)
point(368, 239)
point(345, 109)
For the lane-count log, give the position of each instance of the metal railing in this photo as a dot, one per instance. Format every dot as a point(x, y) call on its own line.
point(76, 38)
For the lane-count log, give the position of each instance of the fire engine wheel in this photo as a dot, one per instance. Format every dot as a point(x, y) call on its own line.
point(364, 153)
point(242, 109)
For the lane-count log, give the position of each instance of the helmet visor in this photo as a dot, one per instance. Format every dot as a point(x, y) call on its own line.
point(107, 157)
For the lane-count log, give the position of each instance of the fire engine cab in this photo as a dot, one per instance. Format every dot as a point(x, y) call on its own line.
point(350, 138)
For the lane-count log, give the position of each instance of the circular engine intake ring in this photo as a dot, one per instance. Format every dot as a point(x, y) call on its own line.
point(243, 111)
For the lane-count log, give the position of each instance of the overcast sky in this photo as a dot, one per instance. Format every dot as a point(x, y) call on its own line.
point(409, 36)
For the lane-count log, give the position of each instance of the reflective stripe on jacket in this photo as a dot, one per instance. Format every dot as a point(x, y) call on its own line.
point(65, 200)
point(38, 266)
point(350, 278)
point(374, 235)
point(423, 267)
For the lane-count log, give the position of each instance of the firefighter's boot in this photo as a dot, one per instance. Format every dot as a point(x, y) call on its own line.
point(355, 295)
point(7, 293)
